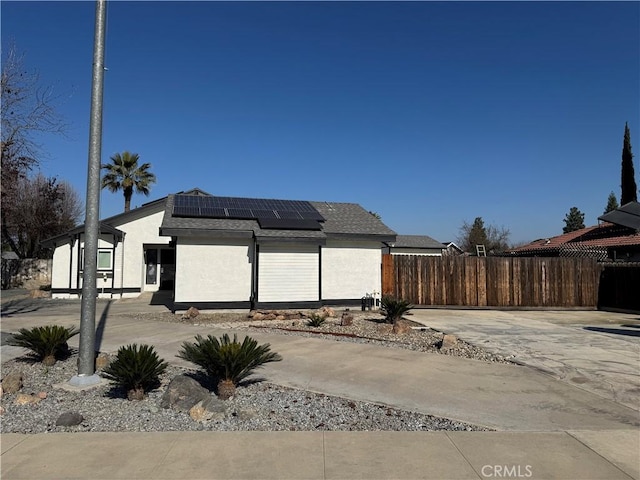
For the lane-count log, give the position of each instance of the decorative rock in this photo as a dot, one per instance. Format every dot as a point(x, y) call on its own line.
point(281, 317)
point(42, 395)
point(258, 316)
point(207, 409)
point(328, 312)
point(346, 319)
point(26, 399)
point(401, 327)
point(192, 312)
point(270, 316)
point(1, 410)
point(448, 341)
point(183, 393)
point(12, 383)
point(102, 361)
point(69, 419)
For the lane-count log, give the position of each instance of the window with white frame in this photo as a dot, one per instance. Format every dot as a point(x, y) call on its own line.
point(105, 259)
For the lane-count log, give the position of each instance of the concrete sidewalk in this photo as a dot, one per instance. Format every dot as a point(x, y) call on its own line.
point(584, 455)
point(592, 350)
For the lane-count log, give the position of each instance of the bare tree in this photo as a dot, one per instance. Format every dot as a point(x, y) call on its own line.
point(28, 110)
point(39, 208)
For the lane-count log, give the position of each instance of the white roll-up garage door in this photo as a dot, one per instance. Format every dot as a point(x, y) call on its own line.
point(288, 273)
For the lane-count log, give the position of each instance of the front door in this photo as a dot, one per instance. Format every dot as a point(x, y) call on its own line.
point(167, 268)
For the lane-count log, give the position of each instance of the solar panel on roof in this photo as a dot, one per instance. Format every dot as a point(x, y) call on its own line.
point(240, 213)
point(289, 214)
point(186, 211)
point(244, 208)
point(212, 212)
point(264, 214)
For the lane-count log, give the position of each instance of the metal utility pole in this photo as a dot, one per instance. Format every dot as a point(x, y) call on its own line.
point(86, 362)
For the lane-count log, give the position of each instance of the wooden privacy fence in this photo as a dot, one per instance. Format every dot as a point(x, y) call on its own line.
point(492, 281)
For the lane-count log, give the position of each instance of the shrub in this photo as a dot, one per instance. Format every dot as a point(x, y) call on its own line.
point(394, 308)
point(316, 320)
point(136, 369)
point(227, 362)
point(48, 343)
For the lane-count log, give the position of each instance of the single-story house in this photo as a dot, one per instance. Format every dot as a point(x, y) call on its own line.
point(215, 252)
point(414, 245)
point(616, 238)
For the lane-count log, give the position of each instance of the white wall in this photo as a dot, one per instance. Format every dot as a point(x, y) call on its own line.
point(60, 268)
point(213, 270)
point(350, 269)
point(138, 232)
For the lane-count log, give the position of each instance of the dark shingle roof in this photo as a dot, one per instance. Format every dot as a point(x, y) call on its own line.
point(417, 241)
point(341, 220)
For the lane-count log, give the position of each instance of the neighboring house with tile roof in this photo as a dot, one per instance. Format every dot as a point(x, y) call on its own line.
point(212, 256)
point(618, 241)
point(414, 245)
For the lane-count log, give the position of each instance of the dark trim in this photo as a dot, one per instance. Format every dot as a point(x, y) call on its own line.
point(212, 305)
point(345, 302)
point(319, 271)
point(78, 291)
point(254, 275)
point(287, 305)
point(271, 240)
point(204, 232)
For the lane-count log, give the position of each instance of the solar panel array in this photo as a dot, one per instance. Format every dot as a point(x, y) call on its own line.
point(283, 214)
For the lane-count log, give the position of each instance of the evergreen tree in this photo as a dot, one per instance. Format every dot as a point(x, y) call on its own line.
point(574, 220)
point(612, 203)
point(629, 188)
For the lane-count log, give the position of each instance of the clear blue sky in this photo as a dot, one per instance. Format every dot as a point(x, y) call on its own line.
point(428, 113)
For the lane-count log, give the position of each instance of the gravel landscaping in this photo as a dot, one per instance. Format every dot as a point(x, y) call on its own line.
point(257, 406)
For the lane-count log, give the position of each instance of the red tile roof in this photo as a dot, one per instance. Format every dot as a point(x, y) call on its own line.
point(604, 235)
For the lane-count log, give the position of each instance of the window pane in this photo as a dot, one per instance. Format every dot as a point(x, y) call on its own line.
point(104, 260)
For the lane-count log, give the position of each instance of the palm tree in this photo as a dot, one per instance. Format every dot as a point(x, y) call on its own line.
point(125, 174)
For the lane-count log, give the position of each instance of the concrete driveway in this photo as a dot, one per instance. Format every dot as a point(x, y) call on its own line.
point(591, 350)
point(505, 397)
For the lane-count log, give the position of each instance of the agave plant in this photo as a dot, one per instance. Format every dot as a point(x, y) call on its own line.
point(394, 308)
point(227, 361)
point(316, 320)
point(136, 369)
point(48, 343)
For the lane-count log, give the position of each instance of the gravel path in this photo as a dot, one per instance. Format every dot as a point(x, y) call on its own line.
point(258, 406)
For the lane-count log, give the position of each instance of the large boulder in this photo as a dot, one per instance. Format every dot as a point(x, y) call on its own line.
point(183, 393)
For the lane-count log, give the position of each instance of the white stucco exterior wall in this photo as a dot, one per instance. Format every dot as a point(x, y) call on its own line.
point(143, 230)
point(213, 270)
point(350, 269)
point(60, 268)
